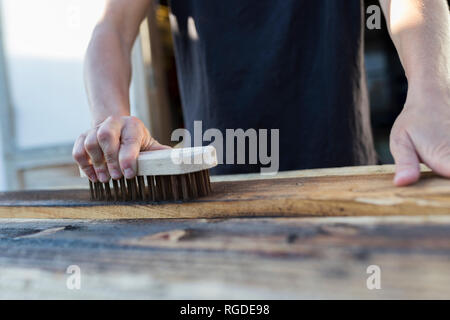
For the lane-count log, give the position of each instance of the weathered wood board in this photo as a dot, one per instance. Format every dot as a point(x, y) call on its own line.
point(329, 195)
point(258, 258)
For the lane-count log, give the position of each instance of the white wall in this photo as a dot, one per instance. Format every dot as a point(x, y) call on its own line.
point(45, 41)
point(44, 44)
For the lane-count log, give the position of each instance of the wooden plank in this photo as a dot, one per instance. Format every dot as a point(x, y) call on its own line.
point(341, 171)
point(336, 195)
point(256, 258)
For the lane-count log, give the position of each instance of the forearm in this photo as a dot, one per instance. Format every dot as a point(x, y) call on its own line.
point(107, 74)
point(108, 61)
point(420, 30)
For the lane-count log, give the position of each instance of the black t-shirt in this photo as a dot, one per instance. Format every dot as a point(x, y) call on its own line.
point(292, 65)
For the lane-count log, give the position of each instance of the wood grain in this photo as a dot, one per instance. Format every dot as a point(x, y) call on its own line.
point(259, 258)
point(332, 195)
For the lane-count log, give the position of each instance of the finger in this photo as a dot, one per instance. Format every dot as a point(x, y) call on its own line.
point(96, 154)
point(108, 137)
point(82, 158)
point(407, 165)
point(155, 145)
point(131, 143)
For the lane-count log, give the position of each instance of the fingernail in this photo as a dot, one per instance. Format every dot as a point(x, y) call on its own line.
point(129, 173)
point(115, 174)
point(103, 177)
point(402, 175)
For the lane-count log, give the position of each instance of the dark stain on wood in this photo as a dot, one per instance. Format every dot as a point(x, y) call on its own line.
point(252, 254)
point(304, 196)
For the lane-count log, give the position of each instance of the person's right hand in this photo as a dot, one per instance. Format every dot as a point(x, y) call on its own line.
point(110, 149)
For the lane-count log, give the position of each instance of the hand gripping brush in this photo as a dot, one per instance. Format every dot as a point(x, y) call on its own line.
point(162, 175)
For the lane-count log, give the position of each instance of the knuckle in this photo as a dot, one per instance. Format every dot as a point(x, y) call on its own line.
point(130, 140)
point(78, 152)
point(399, 140)
point(394, 142)
point(81, 138)
point(395, 133)
point(104, 135)
point(398, 127)
point(78, 155)
point(91, 145)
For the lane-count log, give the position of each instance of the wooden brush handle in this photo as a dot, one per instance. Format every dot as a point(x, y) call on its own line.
point(174, 161)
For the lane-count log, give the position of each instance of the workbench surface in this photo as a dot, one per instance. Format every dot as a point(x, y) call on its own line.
point(354, 191)
point(227, 258)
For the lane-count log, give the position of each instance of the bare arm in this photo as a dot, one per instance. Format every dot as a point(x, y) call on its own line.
point(108, 62)
point(420, 30)
point(110, 148)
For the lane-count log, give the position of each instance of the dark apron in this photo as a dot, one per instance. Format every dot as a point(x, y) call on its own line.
point(292, 65)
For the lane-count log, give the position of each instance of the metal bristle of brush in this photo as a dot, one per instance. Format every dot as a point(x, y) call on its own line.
point(153, 188)
point(163, 175)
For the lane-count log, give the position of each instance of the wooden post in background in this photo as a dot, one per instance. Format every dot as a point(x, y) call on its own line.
point(161, 115)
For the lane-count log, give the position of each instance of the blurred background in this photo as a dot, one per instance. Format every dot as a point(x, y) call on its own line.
point(43, 107)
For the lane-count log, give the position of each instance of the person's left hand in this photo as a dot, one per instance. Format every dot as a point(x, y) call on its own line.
point(421, 133)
